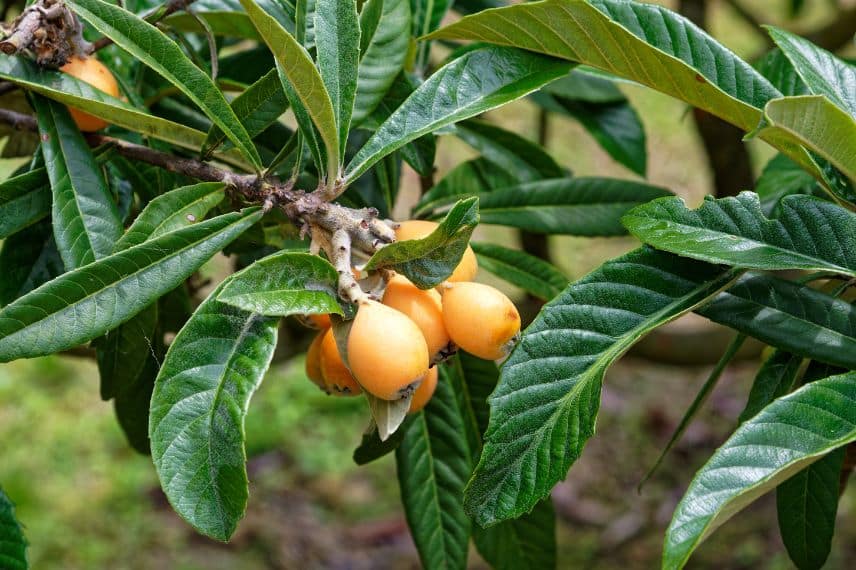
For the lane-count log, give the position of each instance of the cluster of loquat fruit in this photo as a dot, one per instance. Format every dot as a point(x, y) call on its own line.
point(394, 345)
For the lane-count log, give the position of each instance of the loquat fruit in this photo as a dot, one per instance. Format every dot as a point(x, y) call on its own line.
point(418, 229)
point(424, 307)
point(313, 361)
point(386, 351)
point(479, 318)
point(424, 392)
point(95, 73)
point(337, 377)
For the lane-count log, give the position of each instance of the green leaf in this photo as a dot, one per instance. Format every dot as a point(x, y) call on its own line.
point(778, 374)
point(467, 179)
point(227, 18)
point(28, 259)
point(776, 67)
point(24, 200)
point(174, 210)
point(525, 542)
point(615, 126)
point(434, 463)
point(257, 107)
point(370, 15)
point(13, 545)
point(782, 177)
point(789, 316)
point(337, 31)
point(285, 283)
point(427, 262)
point(645, 43)
point(123, 353)
point(383, 57)
point(296, 65)
point(809, 234)
point(576, 206)
point(544, 409)
point(470, 85)
point(427, 15)
point(87, 302)
point(70, 91)
point(822, 72)
point(85, 219)
point(816, 123)
point(522, 158)
point(372, 447)
point(150, 46)
point(198, 408)
point(530, 273)
point(807, 504)
point(786, 437)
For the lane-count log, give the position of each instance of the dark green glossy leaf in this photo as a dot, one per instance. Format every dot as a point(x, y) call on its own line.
point(13, 545)
point(174, 210)
point(434, 462)
point(525, 542)
point(149, 45)
point(303, 79)
point(467, 179)
point(133, 395)
point(427, 262)
point(257, 107)
point(383, 57)
point(470, 85)
point(24, 200)
point(85, 219)
point(530, 273)
point(199, 403)
point(777, 376)
point(822, 72)
point(782, 177)
point(777, 68)
point(789, 316)
point(586, 88)
point(337, 31)
point(809, 234)
point(87, 302)
point(285, 283)
point(807, 504)
point(372, 448)
point(427, 15)
point(545, 406)
point(370, 15)
point(576, 206)
point(123, 353)
point(786, 437)
point(28, 259)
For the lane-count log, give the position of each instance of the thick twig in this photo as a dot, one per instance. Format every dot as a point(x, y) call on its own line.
point(18, 121)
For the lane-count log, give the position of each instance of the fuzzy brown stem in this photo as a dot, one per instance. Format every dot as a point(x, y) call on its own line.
point(339, 252)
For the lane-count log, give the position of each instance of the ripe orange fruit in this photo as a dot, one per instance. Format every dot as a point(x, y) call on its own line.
point(386, 351)
point(418, 229)
point(480, 319)
point(337, 377)
point(313, 362)
point(425, 308)
point(95, 73)
point(319, 321)
point(424, 392)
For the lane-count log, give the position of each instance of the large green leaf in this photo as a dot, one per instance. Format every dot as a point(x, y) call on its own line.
point(125, 350)
point(822, 72)
point(810, 233)
point(643, 42)
point(576, 206)
point(13, 545)
point(786, 437)
point(776, 377)
point(467, 86)
point(227, 17)
point(132, 399)
point(782, 177)
point(807, 504)
point(434, 461)
point(24, 200)
point(149, 45)
point(427, 262)
point(85, 219)
point(427, 15)
point(530, 273)
point(28, 259)
point(337, 31)
point(87, 302)
point(76, 93)
point(816, 123)
point(174, 210)
point(285, 283)
point(789, 316)
point(545, 407)
point(198, 408)
point(257, 107)
point(383, 57)
point(525, 542)
point(524, 159)
point(303, 78)
point(467, 179)
point(777, 68)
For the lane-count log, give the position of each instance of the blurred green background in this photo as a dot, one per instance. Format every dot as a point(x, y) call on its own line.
point(88, 501)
